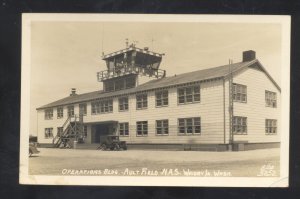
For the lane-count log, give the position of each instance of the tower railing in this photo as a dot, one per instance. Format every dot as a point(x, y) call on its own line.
point(125, 70)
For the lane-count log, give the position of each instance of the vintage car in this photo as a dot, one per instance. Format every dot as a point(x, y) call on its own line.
point(111, 142)
point(33, 149)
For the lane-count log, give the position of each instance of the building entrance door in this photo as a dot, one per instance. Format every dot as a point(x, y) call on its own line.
point(101, 130)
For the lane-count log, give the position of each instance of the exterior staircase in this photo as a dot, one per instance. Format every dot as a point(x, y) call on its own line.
point(72, 131)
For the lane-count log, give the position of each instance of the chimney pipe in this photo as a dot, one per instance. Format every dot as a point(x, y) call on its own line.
point(73, 92)
point(248, 55)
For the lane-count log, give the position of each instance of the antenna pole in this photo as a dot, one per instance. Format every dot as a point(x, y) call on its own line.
point(102, 39)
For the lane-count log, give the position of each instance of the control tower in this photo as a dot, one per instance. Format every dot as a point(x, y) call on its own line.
point(126, 67)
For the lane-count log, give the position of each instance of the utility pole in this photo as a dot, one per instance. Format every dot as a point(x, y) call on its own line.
point(230, 106)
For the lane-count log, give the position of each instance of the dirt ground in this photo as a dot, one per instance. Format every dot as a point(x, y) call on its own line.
point(263, 162)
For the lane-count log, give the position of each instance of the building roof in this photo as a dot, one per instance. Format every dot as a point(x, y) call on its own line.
point(195, 76)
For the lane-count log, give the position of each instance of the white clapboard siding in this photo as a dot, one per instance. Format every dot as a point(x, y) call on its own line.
point(255, 109)
point(210, 109)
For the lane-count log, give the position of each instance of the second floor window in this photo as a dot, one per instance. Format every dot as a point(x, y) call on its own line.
point(123, 104)
point(189, 95)
point(105, 106)
point(142, 128)
point(124, 129)
point(239, 93)
point(60, 112)
point(70, 111)
point(161, 98)
point(82, 109)
point(271, 99)
point(239, 125)
point(49, 114)
point(141, 101)
point(271, 126)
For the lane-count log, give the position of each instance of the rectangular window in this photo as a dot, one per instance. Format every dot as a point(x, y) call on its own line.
point(239, 93)
point(130, 82)
point(124, 129)
point(119, 84)
point(109, 86)
point(85, 131)
point(271, 127)
point(82, 109)
point(239, 125)
point(105, 106)
point(123, 104)
point(162, 127)
point(271, 99)
point(48, 133)
point(188, 95)
point(70, 111)
point(189, 126)
point(60, 112)
point(162, 98)
point(60, 131)
point(48, 114)
point(141, 101)
point(142, 128)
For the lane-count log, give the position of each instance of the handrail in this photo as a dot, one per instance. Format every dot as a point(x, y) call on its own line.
point(106, 74)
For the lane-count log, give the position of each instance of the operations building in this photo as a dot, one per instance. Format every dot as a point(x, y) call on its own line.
point(235, 106)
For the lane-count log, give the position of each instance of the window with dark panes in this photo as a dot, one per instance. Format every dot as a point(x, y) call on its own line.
point(189, 126)
point(82, 109)
point(141, 101)
point(124, 129)
point(161, 98)
point(142, 128)
point(188, 95)
point(48, 133)
point(60, 131)
point(60, 112)
point(105, 106)
point(123, 103)
point(130, 82)
point(271, 99)
point(271, 126)
point(49, 114)
point(85, 131)
point(119, 84)
point(239, 93)
point(239, 125)
point(162, 127)
point(70, 111)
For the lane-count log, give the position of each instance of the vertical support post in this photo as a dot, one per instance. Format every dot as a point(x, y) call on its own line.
point(230, 106)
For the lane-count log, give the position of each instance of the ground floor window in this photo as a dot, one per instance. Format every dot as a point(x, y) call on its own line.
point(271, 126)
point(189, 126)
point(60, 131)
point(239, 125)
point(142, 128)
point(162, 127)
point(48, 132)
point(124, 129)
point(85, 131)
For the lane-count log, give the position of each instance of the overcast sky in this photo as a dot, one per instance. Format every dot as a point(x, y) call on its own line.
point(67, 55)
